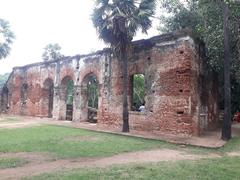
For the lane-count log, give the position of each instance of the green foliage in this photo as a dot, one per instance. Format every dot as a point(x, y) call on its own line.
point(52, 52)
point(92, 92)
point(138, 90)
point(118, 20)
point(6, 38)
point(206, 19)
point(11, 162)
point(3, 79)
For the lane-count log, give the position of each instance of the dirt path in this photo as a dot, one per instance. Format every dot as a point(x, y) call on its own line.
point(43, 163)
point(39, 167)
point(31, 158)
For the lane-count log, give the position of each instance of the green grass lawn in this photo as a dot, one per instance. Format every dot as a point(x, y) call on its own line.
point(66, 142)
point(11, 162)
point(219, 169)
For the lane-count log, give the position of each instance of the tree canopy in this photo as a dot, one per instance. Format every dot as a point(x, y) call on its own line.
point(205, 18)
point(52, 52)
point(135, 14)
point(6, 38)
point(217, 23)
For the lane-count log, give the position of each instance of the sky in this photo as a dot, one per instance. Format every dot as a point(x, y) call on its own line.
point(37, 23)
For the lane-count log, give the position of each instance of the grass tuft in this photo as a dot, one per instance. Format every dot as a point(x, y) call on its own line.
point(11, 162)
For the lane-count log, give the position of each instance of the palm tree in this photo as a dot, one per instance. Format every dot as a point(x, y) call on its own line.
point(6, 38)
point(117, 22)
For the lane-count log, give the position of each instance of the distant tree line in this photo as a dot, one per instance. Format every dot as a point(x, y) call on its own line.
point(3, 79)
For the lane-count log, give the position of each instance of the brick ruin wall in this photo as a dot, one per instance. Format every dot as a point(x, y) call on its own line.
point(180, 97)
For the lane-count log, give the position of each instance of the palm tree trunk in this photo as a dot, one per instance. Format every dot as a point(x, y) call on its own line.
point(226, 128)
point(125, 87)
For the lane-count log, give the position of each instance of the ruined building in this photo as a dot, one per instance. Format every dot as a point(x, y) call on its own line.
point(180, 95)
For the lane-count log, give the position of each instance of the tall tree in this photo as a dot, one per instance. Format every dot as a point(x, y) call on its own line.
point(6, 38)
point(207, 19)
point(226, 129)
point(117, 21)
point(52, 52)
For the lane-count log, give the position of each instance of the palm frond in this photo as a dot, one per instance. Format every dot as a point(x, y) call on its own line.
point(8, 37)
point(145, 12)
point(113, 19)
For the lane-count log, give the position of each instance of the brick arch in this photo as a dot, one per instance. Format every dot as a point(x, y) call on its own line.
point(47, 82)
point(5, 98)
point(89, 111)
point(46, 79)
point(66, 72)
point(64, 85)
point(89, 71)
point(65, 79)
point(47, 92)
point(24, 92)
point(84, 80)
point(66, 99)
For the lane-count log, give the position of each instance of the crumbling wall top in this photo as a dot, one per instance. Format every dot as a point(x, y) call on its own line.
point(138, 45)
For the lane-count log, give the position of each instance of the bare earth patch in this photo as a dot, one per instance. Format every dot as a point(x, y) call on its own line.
point(32, 158)
point(233, 154)
point(41, 166)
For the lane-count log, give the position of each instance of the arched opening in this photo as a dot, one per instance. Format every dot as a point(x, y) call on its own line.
point(47, 97)
point(137, 92)
point(67, 95)
point(89, 95)
point(24, 92)
point(5, 99)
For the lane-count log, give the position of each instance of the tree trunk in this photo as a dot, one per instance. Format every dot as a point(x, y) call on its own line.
point(226, 128)
point(125, 88)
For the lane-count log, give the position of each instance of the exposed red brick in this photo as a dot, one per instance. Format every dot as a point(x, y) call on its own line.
point(180, 96)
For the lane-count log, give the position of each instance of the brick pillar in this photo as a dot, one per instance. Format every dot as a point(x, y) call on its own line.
point(76, 104)
point(62, 104)
point(83, 104)
point(56, 103)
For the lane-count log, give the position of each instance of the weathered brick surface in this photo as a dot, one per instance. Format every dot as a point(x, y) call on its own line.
point(181, 96)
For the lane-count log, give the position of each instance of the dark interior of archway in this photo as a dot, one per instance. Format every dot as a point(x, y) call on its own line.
point(48, 96)
point(4, 100)
point(69, 100)
point(24, 91)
